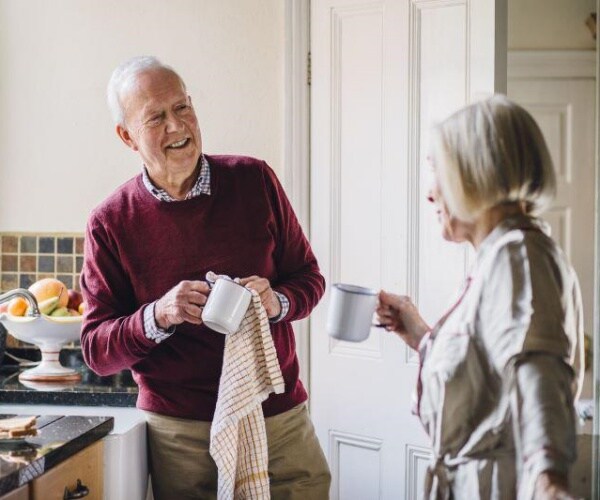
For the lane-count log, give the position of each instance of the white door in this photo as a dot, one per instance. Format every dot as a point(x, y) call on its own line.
point(383, 71)
point(562, 101)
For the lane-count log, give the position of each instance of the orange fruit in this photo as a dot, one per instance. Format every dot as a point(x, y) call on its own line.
point(49, 287)
point(17, 306)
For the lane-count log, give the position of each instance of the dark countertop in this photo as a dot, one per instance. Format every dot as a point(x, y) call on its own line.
point(92, 390)
point(58, 439)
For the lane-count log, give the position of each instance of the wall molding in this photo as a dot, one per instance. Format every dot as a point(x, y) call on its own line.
point(542, 64)
point(338, 438)
point(416, 457)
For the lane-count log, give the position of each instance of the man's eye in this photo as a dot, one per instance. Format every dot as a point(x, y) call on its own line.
point(154, 120)
point(182, 108)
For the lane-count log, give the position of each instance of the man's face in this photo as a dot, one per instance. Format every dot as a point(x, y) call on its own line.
point(160, 123)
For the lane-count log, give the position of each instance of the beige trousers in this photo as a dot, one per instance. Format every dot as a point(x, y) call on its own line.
point(182, 468)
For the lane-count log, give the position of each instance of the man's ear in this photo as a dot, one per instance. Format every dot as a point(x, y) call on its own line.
point(123, 133)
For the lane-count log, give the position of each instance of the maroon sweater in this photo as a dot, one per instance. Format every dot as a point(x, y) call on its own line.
point(137, 248)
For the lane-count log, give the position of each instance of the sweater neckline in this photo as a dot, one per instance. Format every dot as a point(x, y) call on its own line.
point(214, 183)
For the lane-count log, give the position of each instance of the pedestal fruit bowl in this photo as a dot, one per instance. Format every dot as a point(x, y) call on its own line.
point(49, 333)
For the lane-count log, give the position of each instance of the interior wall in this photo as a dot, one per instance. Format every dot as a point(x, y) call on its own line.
point(549, 24)
point(59, 154)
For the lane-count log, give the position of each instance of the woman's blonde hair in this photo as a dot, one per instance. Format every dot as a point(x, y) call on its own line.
point(489, 153)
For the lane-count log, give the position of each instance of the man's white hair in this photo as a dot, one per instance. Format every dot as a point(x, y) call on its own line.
point(124, 76)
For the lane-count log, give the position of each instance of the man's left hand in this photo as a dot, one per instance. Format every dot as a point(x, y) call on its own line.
point(267, 296)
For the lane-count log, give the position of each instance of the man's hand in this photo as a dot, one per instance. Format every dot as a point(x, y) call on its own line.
point(182, 303)
point(267, 296)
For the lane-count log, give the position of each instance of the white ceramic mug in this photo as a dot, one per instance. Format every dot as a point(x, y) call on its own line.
point(226, 306)
point(351, 310)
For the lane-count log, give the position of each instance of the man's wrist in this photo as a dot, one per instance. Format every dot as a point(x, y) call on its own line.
point(152, 329)
point(284, 305)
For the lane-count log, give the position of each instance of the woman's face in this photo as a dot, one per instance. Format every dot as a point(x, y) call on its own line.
point(453, 229)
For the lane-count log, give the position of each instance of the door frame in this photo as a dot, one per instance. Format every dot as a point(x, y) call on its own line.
point(596, 336)
point(296, 117)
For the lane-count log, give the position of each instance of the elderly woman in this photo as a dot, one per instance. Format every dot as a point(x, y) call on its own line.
point(499, 372)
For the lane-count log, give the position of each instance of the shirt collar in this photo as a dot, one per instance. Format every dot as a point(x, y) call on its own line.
point(201, 186)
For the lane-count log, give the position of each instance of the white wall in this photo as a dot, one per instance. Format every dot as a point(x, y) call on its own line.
point(549, 24)
point(59, 155)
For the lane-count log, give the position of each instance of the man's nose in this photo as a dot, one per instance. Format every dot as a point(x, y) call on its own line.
point(173, 123)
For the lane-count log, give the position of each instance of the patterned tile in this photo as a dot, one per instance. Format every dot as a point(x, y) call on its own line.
point(9, 263)
point(9, 281)
point(79, 245)
point(10, 244)
point(27, 264)
point(64, 245)
point(47, 244)
point(29, 244)
point(64, 264)
point(46, 263)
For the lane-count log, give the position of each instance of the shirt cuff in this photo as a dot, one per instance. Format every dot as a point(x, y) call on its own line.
point(285, 307)
point(151, 329)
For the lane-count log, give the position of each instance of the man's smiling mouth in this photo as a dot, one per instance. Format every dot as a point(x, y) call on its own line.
point(180, 144)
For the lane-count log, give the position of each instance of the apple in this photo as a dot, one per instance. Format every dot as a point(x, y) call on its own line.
point(75, 298)
point(81, 308)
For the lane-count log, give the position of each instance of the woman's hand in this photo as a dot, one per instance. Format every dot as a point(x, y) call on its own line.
point(398, 314)
point(269, 300)
point(552, 486)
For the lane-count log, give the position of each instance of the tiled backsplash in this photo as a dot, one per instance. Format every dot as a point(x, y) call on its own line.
point(27, 257)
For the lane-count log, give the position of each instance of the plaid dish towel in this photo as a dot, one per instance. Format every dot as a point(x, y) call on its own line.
point(238, 437)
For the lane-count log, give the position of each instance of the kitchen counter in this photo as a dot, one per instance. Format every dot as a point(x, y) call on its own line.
point(92, 390)
point(59, 438)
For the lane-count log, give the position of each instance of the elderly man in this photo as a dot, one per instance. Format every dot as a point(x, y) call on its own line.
point(148, 248)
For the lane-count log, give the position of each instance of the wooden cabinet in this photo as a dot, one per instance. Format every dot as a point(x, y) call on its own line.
point(21, 493)
point(86, 466)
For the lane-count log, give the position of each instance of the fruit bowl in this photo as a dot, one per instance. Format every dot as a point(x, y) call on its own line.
point(50, 334)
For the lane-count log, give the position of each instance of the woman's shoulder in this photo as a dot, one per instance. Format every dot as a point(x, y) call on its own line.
point(526, 248)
